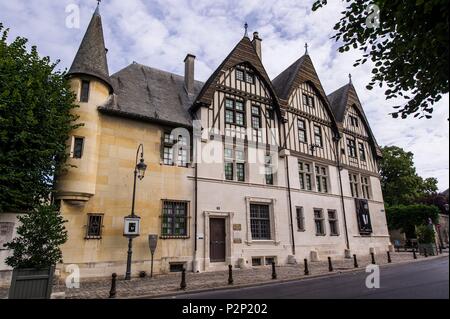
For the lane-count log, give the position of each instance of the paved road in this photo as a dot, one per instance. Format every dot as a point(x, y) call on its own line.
point(428, 279)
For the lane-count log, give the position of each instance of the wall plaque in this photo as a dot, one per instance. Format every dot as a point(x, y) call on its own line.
point(237, 227)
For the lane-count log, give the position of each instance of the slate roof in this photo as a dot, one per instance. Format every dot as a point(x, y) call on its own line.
point(338, 101)
point(91, 56)
point(147, 93)
point(283, 82)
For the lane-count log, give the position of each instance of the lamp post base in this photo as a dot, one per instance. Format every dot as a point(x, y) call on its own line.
point(130, 253)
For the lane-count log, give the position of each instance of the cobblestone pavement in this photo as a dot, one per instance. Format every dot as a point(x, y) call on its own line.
point(170, 284)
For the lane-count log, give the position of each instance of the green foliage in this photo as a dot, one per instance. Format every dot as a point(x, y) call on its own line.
point(40, 235)
point(399, 180)
point(409, 49)
point(407, 218)
point(35, 122)
point(425, 234)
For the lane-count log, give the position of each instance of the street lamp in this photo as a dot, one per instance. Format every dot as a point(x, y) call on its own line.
point(132, 222)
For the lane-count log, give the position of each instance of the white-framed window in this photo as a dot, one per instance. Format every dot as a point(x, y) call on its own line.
point(234, 112)
point(174, 219)
point(321, 179)
point(260, 222)
point(318, 136)
point(308, 100)
point(365, 185)
point(302, 135)
point(235, 163)
point(333, 222)
point(354, 184)
point(319, 221)
point(306, 175)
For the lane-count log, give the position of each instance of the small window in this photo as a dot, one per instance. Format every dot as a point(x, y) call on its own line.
point(300, 219)
point(256, 117)
point(94, 226)
point(308, 100)
point(351, 145)
point(354, 121)
point(85, 88)
point(322, 179)
point(240, 172)
point(333, 220)
point(365, 185)
point(256, 262)
point(362, 152)
point(302, 136)
point(174, 219)
point(269, 170)
point(318, 139)
point(240, 75)
point(354, 184)
point(249, 77)
point(305, 175)
point(78, 147)
point(176, 267)
point(319, 221)
point(229, 175)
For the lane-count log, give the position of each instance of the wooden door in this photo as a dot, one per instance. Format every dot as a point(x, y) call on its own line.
point(217, 246)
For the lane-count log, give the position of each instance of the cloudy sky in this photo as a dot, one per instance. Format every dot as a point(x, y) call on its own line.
point(160, 33)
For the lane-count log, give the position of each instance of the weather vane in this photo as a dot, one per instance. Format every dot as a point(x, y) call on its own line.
point(306, 48)
point(350, 78)
point(246, 29)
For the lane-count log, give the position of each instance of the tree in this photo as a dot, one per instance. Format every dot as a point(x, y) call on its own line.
point(35, 122)
point(407, 218)
point(40, 235)
point(409, 48)
point(399, 180)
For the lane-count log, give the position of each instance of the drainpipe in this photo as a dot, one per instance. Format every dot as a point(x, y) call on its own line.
point(338, 159)
point(284, 121)
point(290, 205)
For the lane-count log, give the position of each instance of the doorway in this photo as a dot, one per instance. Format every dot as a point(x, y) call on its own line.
point(217, 245)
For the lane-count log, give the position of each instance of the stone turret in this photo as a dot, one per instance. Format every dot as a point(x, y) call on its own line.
point(89, 79)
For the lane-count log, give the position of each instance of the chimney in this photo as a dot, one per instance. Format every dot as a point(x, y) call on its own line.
point(189, 81)
point(257, 44)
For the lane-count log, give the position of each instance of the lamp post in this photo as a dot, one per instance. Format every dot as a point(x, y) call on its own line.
point(132, 222)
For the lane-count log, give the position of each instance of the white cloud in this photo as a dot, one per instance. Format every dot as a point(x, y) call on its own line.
point(160, 33)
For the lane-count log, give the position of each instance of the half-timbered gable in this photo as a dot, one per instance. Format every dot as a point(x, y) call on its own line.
point(359, 149)
point(310, 126)
point(238, 100)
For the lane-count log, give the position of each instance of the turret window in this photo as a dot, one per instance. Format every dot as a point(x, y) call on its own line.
point(78, 147)
point(85, 88)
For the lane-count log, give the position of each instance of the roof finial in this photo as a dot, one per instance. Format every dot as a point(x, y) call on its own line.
point(97, 10)
point(350, 78)
point(306, 48)
point(246, 29)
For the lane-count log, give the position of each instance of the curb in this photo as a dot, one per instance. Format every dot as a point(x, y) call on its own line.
point(282, 281)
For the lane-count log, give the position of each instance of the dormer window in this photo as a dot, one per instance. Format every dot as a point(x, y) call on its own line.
point(244, 75)
point(85, 88)
point(354, 121)
point(308, 100)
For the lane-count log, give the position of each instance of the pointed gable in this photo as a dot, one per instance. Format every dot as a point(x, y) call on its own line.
point(91, 56)
point(301, 71)
point(243, 53)
point(346, 98)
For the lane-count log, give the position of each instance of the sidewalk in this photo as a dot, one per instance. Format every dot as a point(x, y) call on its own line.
point(162, 285)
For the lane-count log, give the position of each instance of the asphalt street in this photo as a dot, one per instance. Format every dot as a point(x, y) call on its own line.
point(427, 279)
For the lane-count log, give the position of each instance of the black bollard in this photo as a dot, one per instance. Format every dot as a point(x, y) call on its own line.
point(389, 257)
point(355, 261)
point(330, 265)
point(440, 249)
point(183, 280)
point(373, 258)
point(113, 292)
point(274, 271)
point(306, 267)
point(414, 253)
point(230, 275)
point(425, 252)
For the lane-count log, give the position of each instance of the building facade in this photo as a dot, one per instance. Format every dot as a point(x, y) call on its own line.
point(242, 169)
